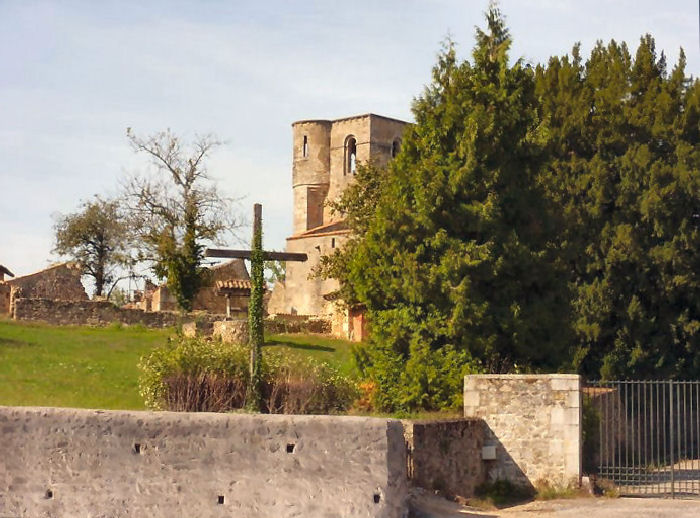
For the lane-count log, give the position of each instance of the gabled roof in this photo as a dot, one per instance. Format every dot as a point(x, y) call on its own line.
point(5, 271)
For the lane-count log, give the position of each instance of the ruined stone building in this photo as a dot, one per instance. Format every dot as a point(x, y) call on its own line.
point(58, 282)
point(226, 291)
point(325, 158)
point(4, 290)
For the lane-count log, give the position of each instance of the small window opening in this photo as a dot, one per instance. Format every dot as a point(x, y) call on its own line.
point(305, 147)
point(137, 448)
point(290, 447)
point(350, 155)
point(49, 494)
point(395, 148)
point(332, 242)
point(377, 498)
point(220, 500)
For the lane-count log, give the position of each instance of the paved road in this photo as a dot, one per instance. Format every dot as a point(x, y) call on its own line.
point(574, 508)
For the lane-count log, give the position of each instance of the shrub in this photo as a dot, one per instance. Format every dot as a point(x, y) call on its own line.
point(193, 375)
point(426, 379)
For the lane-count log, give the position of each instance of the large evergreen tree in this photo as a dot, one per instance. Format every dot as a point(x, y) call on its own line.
point(455, 264)
point(625, 167)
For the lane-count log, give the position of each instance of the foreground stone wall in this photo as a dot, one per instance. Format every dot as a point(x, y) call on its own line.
point(534, 422)
point(446, 455)
point(87, 312)
point(68, 462)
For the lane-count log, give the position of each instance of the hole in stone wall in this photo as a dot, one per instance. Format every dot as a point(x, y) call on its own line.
point(290, 447)
point(377, 498)
point(137, 448)
point(49, 493)
point(220, 499)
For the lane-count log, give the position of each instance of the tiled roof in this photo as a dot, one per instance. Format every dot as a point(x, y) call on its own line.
point(234, 284)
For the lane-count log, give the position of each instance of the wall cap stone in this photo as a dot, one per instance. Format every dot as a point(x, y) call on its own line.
point(523, 376)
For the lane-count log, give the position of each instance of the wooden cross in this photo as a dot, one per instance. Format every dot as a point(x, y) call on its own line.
point(247, 254)
point(256, 257)
point(228, 253)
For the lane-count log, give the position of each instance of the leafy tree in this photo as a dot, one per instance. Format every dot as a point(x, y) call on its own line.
point(276, 271)
point(625, 171)
point(177, 210)
point(97, 237)
point(456, 264)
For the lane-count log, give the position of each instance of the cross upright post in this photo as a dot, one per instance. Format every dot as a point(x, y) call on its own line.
point(257, 257)
point(255, 309)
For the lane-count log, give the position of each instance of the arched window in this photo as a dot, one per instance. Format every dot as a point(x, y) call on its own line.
point(395, 147)
point(305, 147)
point(350, 155)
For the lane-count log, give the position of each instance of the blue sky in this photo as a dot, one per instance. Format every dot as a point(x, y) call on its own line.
point(75, 75)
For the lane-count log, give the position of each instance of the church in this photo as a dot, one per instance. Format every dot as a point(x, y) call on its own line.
point(325, 158)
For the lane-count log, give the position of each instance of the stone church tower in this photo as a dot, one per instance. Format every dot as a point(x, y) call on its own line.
point(325, 156)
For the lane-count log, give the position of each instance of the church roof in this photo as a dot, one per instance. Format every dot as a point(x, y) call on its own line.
point(5, 271)
point(336, 227)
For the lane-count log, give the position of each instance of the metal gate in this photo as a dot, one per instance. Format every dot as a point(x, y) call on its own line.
point(648, 436)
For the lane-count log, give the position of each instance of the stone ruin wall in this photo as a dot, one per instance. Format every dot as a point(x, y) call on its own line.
point(5, 294)
point(69, 462)
point(61, 282)
point(87, 312)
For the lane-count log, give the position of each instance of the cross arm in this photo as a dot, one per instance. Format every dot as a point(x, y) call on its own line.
point(245, 254)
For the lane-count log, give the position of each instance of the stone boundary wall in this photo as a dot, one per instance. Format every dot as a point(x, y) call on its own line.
point(87, 312)
point(69, 462)
point(446, 455)
point(534, 422)
point(279, 324)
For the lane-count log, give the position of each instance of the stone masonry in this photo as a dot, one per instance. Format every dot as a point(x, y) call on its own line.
point(87, 312)
point(59, 282)
point(534, 422)
point(70, 462)
point(445, 455)
point(325, 157)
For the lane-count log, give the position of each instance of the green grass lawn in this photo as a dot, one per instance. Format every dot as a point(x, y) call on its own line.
point(84, 367)
point(330, 350)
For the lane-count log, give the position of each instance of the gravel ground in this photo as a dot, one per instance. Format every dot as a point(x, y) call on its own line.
point(428, 506)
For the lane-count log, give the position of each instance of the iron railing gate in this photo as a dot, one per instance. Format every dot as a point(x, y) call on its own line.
point(648, 436)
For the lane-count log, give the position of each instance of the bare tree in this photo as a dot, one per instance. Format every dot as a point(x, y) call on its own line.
point(178, 209)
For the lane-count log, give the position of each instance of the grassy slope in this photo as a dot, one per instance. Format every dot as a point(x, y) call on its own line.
point(333, 351)
point(72, 366)
point(85, 367)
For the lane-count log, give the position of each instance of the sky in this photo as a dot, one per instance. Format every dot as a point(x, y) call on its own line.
point(74, 75)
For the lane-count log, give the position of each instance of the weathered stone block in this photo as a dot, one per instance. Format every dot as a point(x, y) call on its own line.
point(535, 421)
point(164, 464)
